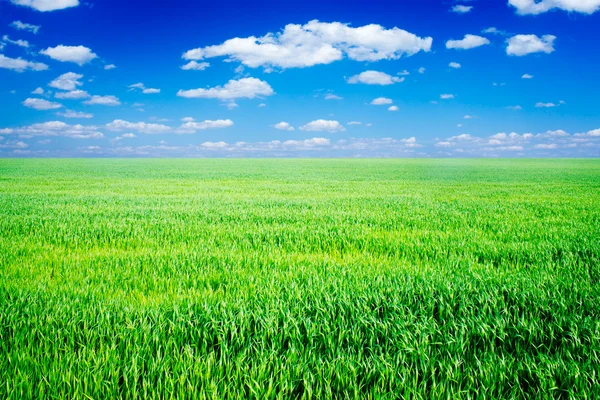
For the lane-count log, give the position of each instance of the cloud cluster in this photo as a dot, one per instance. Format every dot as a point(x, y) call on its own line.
point(143, 88)
point(55, 128)
point(25, 27)
point(41, 104)
point(315, 43)
point(234, 89)
point(526, 7)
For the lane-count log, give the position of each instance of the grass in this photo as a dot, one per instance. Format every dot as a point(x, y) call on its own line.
point(313, 279)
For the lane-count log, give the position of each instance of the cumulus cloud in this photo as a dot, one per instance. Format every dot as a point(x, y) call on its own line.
point(283, 126)
point(314, 43)
point(525, 7)
point(76, 54)
point(75, 114)
point(521, 45)
point(546, 146)
point(41, 104)
point(454, 65)
point(20, 65)
point(72, 95)
point(47, 5)
point(109, 67)
point(140, 127)
point(191, 127)
point(393, 108)
point(381, 101)
point(68, 81)
point(323, 125)
point(234, 89)
point(195, 66)
point(38, 91)
point(103, 100)
point(374, 78)
point(468, 42)
point(57, 128)
point(25, 27)
point(527, 76)
point(460, 9)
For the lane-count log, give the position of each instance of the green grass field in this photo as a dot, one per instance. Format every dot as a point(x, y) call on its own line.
point(313, 279)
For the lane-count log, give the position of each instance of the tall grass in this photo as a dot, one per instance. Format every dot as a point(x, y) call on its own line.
point(314, 279)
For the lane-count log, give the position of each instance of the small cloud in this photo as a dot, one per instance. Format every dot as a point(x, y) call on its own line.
point(454, 65)
point(284, 126)
point(374, 78)
point(354, 123)
point(460, 9)
point(467, 117)
point(527, 76)
point(514, 107)
point(75, 114)
point(522, 45)
point(381, 101)
point(25, 27)
point(403, 73)
point(103, 100)
point(543, 146)
point(446, 96)
point(261, 105)
point(195, 66)
point(549, 105)
point(41, 104)
point(323, 125)
point(468, 42)
point(188, 119)
point(421, 70)
point(79, 55)
point(393, 108)
point(331, 96)
point(109, 67)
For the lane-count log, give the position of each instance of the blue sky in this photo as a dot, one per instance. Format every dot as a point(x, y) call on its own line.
point(346, 78)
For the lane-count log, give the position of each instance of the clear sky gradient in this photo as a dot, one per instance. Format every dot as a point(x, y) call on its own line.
point(183, 78)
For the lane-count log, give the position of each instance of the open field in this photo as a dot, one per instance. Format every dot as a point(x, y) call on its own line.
point(300, 279)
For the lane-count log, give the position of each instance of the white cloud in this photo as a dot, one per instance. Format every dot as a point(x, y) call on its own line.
point(109, 67)
point(75, 114)
point(460, 9)
point(331, 96)
point(545, 146)
point(25, 27)
point(283, 126)
point(20, 43)
point(188, 119)
point(20, 65)
point(41, 104)
point(444, 144)
point(446, 96)
point(549, 105)
point(68, 81)
point(307, 143)
point(76, 54)
point(103, 100)
point(58, 128)
point(381, 101)
point(527, 76)
point(468, 117)
point(47, 5)
point(468, 42)
point(73, 95)
point(422, 70)
point(316, 43)
point(214, 145)
point(354, 123)
point(141, 127)
point(195, 66)
point(454, 65)
point(323, 125)
point(403, 73)
point(261, 105)
point(393, 108)
point(521, 45)
point(525, 7)
point(38, 91)
point(191, 127)
point(143, 88)
point(374, 78)
point(493, 30)
point(514, 107)
point(245, 87)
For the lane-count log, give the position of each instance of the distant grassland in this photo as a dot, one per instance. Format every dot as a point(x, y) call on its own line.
point(314, 279)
